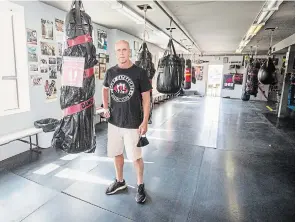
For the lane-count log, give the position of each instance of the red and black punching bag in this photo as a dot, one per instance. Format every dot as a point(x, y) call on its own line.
point(188, 74)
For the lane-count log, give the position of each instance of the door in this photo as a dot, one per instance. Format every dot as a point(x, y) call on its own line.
point(214, 80)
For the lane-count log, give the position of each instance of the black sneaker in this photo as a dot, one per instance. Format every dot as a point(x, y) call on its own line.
point(115, 187)
point(141, 195)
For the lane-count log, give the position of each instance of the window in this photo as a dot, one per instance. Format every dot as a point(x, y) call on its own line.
point(14, 82)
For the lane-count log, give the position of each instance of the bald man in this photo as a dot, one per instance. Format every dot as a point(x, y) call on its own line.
point(129, 88)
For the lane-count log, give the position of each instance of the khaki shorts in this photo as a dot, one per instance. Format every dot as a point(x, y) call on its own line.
point(120, 138)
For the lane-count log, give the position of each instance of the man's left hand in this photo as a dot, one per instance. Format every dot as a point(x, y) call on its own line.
point(143, 128)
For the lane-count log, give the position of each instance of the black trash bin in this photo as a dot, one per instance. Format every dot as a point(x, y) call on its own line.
point(48, 126)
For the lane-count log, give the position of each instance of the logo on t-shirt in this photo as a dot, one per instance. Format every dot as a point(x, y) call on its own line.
point(122, 88)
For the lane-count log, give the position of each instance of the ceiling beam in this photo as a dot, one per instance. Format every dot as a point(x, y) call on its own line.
point(153, 25)
point(177, 23)
point(284, 43)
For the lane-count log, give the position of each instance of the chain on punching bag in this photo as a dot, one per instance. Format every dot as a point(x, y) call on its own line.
point(188, 74)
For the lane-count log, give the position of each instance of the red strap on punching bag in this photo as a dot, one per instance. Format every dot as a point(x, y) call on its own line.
point(187, 75)
point(88, 72)
point(79, 40)
point(78, 107)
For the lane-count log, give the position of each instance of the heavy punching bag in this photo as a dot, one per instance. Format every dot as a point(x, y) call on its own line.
point(188, 74)
point(168, 71)
point(144, 61)
point(76, 132)
point(252, 80)
point(266, 72)
point(182, 73)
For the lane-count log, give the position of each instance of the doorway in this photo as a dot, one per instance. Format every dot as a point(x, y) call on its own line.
point(214, 80)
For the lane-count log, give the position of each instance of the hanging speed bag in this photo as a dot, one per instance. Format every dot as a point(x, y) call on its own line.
point(265, 74)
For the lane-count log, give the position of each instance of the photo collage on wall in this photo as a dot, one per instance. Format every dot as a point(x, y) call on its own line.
point(45, 55)
point(32, 52)
point(51, 48)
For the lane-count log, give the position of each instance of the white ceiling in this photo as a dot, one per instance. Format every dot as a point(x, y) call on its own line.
point(284, 20)
point(216, 26)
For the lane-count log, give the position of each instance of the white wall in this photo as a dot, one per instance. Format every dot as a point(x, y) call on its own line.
point(237, 92)
point(34, 11)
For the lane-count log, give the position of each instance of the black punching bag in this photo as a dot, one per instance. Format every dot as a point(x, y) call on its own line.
point(265, 74)
point(188, 77)
point(76, 132)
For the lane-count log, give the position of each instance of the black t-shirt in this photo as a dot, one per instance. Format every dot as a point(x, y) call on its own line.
point(126, 86)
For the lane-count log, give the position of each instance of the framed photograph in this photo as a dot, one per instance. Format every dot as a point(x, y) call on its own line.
point(47, 29)
point(102, 39)
point(31, 37)
point(102, 71)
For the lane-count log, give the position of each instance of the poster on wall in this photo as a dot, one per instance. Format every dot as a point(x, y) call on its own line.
point(199, 73)
point(52, 60)
point(59, 64)
point(52, 71)
point(73, 70)
point(33, 67)
point(31, 37)
point(47, 29)
point(228, 81)
point(44, 68)
point(32, 54)
point(102, 71)
point(60, 48)
point(59, 24)
point(48, 48)
point(97, 71)
point(50, 90)
point(102, 58)
point(102, 39)
point(43, 60)
point(238, 78)
point(36, 80)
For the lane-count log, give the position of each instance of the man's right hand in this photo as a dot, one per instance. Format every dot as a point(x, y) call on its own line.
point(106, 113)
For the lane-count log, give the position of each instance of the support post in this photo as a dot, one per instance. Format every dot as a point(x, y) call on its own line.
point(283, 107)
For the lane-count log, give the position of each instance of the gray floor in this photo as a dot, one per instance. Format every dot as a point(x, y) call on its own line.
point(208, 160)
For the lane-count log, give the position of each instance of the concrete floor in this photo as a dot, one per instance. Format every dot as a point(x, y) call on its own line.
point(209, 159)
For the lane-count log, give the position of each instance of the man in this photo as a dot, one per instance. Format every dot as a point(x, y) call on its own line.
point(129, 88)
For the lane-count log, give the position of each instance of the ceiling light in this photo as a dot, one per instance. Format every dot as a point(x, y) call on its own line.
point(265, 13)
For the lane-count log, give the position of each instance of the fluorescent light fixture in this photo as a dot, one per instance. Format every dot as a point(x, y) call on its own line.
point(269, 7)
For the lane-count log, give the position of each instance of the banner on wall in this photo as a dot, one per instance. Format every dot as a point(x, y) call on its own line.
point(228, 81)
